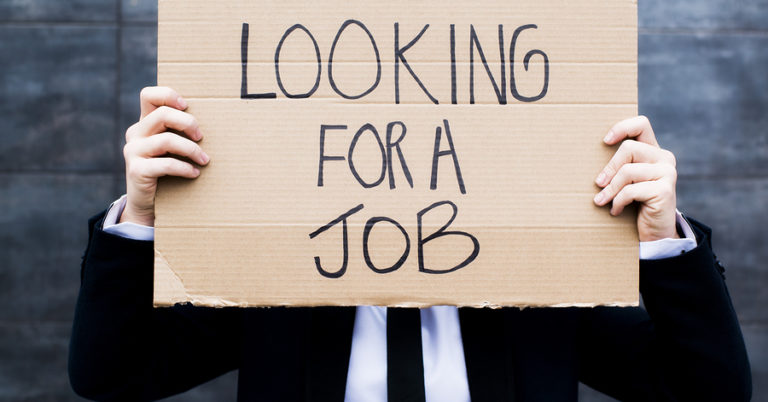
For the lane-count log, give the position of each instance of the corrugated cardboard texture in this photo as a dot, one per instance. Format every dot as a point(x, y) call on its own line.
point(240, 234)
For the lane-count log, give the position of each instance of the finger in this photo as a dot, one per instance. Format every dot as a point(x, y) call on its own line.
point(167, 143)
point(154, 97)
point(638, 128)
point(640, 192)
point(162, 119)
point(633, 152)
point(158, 167)
point(630, 174)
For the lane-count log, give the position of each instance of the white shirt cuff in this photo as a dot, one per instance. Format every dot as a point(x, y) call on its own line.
point(127, 230)
point(666, 248)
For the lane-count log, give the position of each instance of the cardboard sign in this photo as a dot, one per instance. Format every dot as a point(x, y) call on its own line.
point(397, 153)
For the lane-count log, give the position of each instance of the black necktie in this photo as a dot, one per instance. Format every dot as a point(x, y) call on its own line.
point(405, 365)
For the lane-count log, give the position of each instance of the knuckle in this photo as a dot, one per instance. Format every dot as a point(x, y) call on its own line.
point(133, 170)
point(144, 94)
point(166, 91)
point(191, 120)
point(167, 165)
point(621, 195)
point(630, 196)
point(630, 192)
point(190, 149)
point(624, 171)
point(162, 116)
point(183, 169)
point(130, 133)
point(670, 156)
point(671, 172)
point(164, 111)
point(627, 146)
point(666, 190)
point(127, 151)
point(186, 121)
point(166, 141)
point(619, 198)
point(617, 181)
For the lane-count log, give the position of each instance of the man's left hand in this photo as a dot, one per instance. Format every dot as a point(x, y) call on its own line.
point(640, 171)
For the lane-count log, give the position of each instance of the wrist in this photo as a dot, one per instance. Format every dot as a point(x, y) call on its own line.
point(145, 218)
point(654, 235)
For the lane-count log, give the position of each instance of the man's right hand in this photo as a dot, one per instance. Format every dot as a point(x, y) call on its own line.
point(149, 146)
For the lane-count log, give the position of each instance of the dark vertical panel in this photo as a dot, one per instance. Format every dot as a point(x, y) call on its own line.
point(138, 61)
point(57, 85)
point(706, 95)
point(737, 210)
point(139, 10)
point(58, 10)
point(756, 337)
point(43, 238)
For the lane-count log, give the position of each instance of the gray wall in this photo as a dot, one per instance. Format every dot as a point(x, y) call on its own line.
point(70, 72)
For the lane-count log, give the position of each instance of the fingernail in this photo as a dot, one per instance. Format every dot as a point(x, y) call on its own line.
point(206, 158)
point(197, 171)
point(181, 102)
point(608, 137)
point(599, 198)
point(199, 133)
point(601, 179)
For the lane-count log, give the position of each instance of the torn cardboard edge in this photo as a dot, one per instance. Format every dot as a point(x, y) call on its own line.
point(174, 293)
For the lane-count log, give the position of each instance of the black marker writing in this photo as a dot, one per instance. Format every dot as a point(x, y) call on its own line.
point(277, 63)
point(324, 157)
point(345, 243)
point(330, 61)
point(501, 91)
point(396, 145)
point(367, 127)
point(526, 60)
point(400, 58)
point(450, 151)
point(367, 233)
point(440, 233)
point(244, 60)
point(422, 241)
point(498, 82)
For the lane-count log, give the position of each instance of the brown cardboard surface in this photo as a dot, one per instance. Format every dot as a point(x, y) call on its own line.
point(240, 234)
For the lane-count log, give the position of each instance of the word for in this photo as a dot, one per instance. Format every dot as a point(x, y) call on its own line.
point(386, 154)
point(400, 49)
point(421, 241)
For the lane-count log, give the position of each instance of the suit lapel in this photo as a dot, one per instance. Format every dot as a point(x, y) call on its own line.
point(330, 345)
point(488, 354)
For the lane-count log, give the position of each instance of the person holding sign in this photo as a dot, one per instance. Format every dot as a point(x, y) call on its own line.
point(685, 344)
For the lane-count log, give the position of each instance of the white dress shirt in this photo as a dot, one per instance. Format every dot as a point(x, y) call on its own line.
point(445, 374)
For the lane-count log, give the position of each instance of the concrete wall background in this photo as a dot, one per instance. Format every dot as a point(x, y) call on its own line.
point(70, 72)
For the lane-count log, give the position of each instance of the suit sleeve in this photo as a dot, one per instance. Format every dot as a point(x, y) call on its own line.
point(124, 349)
point(685, 345)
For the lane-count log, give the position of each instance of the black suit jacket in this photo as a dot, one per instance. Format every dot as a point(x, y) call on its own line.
point(685, 345)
